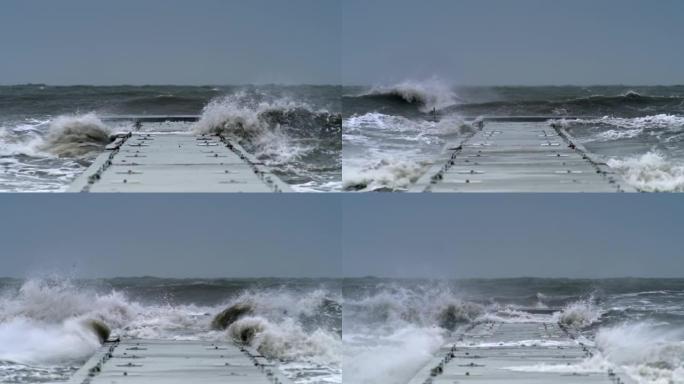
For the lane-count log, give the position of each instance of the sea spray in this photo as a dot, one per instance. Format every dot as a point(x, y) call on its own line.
point(72, 136)
point(579, 314)
point(648, 352)
point(300, 142)
point(50, 326)
point(651, 172)
point(408, 149)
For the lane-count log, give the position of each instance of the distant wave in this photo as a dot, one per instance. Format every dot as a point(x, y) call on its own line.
point(428, 95)
point(167, 101)
point(582, 104)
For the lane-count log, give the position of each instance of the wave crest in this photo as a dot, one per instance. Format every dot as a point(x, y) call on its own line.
point(77, 135)
point(580, 314)
point(429, 95)
point(650, 172)
point(272, 129)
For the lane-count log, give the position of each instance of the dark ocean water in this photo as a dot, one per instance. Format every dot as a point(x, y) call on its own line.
point(391, 134)
point(294, 129)
point(44, 338)
point(636, 324)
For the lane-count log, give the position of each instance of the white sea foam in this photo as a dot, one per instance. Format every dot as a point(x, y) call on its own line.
point(259, 123)
point(650, 172)
point(391, 358)
point(579, 314)
point(392, 152)
point(628, 128)
point(389, 335)
point(648, 353)
point(45, 322)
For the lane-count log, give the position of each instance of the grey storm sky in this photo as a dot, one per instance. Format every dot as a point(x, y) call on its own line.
point(513, 235)
point(169, 235)
point(521, 42)
point(170, 41)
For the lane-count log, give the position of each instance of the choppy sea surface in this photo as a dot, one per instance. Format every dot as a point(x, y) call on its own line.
point(391, 328)
point(44, 333)
point(392, 133)
point(50, 134)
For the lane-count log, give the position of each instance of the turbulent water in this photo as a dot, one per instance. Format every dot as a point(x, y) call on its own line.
point(392, 133)
point(48, 135)
point(393, 327)
point(44, 335)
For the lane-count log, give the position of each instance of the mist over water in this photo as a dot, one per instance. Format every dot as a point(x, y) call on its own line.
point(390, 133)
point(49, 135)
point(44, 334)
point(393, 327)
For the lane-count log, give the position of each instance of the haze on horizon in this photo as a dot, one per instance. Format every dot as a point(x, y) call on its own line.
point(510, 43)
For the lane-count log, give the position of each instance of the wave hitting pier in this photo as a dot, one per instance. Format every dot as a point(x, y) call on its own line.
point(519, 154)
point(516, 353)
point(171, 362)
point(175, 162)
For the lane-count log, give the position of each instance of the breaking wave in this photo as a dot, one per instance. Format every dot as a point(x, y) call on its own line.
point(579, 314)
point(271, 128)
point(64, 136)
point(647, 352)
point(650, 172)
point(286, 340)
point(60, 323)
point(401, 163)
point(72, 136)
point(47, 322)
point(429, 95)
point(298, 141)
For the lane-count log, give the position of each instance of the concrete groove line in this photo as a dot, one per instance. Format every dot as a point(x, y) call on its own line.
point(168, 361)
point(518, 156)
point(175, 163)
point(487, 364)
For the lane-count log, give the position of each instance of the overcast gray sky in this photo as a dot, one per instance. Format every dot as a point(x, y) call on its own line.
point(170, 41)
point(387, 235)
point(504, 235)
point(169, 235)
point(520, 42)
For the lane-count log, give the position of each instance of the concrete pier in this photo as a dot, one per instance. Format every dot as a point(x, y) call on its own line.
point(515, 353)
point(518, 155)
point(182, 362)
point(176, 162)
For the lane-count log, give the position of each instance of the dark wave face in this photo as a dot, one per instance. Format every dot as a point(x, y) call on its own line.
point(43, 128)
point(523, 101)
point(295, 321)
